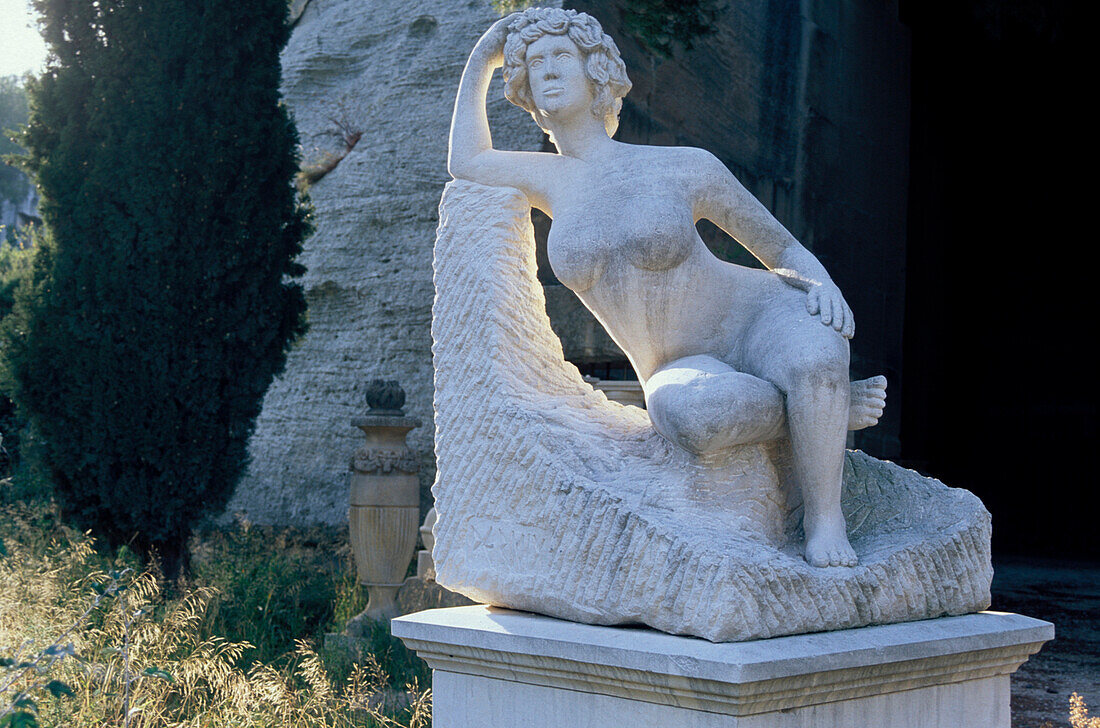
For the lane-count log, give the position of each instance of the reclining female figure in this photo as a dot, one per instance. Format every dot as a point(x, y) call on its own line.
point(727, 355)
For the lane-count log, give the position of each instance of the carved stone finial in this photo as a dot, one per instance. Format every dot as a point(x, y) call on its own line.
point(385, 426)
point(385, 396)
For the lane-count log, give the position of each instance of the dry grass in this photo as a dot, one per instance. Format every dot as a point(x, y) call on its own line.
point(1079, 713)
point(141, 659)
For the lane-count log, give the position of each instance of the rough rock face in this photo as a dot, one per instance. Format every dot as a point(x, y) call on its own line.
point(552, 499)
point(387, 69)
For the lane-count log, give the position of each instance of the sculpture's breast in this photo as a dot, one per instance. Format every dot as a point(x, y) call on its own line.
point(653, 234)
point(577, 254)
point(645, 233)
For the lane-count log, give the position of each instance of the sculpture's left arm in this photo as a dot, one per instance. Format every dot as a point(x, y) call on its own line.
point(718, 196)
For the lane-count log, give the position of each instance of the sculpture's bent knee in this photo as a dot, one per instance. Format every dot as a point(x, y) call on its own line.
point(713, 413)
point(821, 363)
point(672, 415)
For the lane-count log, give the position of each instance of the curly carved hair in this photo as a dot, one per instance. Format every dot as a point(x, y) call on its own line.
point(602, 64)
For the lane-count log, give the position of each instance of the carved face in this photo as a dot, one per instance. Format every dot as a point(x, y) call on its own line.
point(555, 72)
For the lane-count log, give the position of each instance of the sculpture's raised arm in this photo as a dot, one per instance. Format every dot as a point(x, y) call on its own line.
point(723, 200)
point(470, 136)
point(471, 155)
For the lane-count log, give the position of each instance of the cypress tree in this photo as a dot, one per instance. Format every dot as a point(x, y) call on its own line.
point(164, 297)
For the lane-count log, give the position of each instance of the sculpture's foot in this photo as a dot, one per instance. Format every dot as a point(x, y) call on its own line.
point(827, 542)
point(868, 400)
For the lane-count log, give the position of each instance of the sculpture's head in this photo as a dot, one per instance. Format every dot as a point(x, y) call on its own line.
point(599, 57)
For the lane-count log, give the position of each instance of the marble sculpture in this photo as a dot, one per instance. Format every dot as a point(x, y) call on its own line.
point(730, 510)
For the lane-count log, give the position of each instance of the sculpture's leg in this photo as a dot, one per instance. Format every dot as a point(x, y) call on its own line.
point(808, 362)
point(703, 404)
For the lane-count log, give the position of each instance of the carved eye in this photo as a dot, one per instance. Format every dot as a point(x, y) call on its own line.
point(534, 63)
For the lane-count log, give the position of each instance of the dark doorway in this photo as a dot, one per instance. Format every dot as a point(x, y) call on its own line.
point(1001, 287)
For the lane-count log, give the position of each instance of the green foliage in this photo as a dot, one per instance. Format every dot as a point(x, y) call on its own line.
point(15, 266)
point(401, 664)
point(273, 591)
point(14, 185)
point(511, 6)
point(660, 24)
point(162, 301)
point(29, 674)
point(277, 587)
point(350, 598)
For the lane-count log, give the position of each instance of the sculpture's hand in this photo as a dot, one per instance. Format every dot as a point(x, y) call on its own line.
point(491, 43)
point(825, 301)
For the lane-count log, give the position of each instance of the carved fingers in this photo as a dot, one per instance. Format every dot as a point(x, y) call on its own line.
point(492, 41)
point(849, 328)
point(813, 300)
point(826, 302)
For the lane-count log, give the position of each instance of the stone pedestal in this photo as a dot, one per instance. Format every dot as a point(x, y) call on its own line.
point(507, 669)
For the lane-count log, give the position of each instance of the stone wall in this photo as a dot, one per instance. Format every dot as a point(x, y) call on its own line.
point(388, 69)
point(17, 213)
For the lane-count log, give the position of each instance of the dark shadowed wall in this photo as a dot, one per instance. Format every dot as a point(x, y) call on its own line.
point(1001, 390)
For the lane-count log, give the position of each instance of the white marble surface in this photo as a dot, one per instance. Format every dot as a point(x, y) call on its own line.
point(469, 701)
point(504, 668)
point(730, 509)
point(553, 499)
point(727, 355)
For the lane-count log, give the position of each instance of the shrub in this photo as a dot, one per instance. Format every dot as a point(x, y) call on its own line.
point(14, 185)
point(162, 299)
point(273, 587)
point(16, 257)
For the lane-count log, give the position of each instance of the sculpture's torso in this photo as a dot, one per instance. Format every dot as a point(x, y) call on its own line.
point(624, 240)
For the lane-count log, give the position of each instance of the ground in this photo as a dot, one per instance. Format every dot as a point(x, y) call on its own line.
point(1068, 594)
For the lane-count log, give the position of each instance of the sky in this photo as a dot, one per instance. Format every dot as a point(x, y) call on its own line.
point(21, 47)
